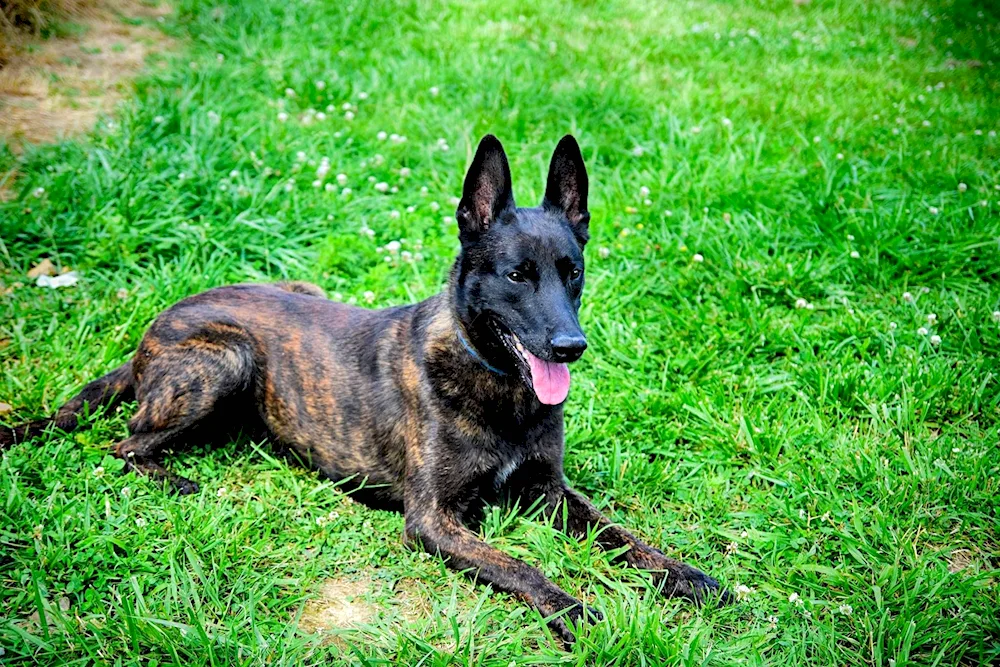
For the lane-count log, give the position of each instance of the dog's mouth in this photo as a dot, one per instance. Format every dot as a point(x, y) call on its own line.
point(548, 379)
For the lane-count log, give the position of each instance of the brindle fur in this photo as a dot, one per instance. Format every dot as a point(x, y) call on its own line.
point(392, 396)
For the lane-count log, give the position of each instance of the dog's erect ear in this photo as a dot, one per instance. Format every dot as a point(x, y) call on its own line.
point(487, 192)
point(566, 189)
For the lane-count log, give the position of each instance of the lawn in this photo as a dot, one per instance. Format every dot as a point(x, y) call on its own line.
point(792, 304)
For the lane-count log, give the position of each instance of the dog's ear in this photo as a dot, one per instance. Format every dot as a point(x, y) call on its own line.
point(566, 189)
point(487, 192)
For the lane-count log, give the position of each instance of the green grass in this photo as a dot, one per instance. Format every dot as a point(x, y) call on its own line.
point(830, 451)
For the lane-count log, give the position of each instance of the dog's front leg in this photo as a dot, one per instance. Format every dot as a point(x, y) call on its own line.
point(676, 579)
point(440, 532)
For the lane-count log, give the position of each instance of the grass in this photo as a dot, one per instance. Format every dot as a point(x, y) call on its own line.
point(773, 413)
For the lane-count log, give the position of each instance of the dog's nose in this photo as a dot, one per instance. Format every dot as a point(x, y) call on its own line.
point(568, 348)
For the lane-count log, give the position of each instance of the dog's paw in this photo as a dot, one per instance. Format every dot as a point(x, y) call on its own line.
point(183, 486)
point(575, 615)
point(692, 584)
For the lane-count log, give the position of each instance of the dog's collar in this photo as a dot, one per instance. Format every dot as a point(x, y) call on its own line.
point(474, 354)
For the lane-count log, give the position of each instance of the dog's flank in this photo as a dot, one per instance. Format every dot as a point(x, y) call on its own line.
point(441, 407)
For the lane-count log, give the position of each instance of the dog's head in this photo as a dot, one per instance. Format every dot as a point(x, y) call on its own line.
point(520, 270)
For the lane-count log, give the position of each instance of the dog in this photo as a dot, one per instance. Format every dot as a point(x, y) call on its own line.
point(442, 407)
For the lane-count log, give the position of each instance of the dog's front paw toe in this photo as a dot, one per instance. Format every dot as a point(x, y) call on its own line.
point(693, 584)
point(183, 486)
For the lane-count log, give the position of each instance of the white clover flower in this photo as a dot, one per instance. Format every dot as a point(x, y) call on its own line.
point(320, 116)
point(454, 201)
point(405, 172)
point(907, 297)
point(394, 215)
point(926, 123)
point(317, 183)
point(644, 192)
point(320, 84)
point(369, 296)
point(140, 522)
point(855, 254)
point(289, 186)
point(934, 210)
point(282, 116)
point(388, 258)
point(406, 256)
point(38, 192)
point(795, 599)
point(668, 213)
point(962, 187)
point(850, 237)
point(362, 95)
point(411, 209)
point(817, 139)
point(996, 315)
point(638, 151)
point(348, 115)
point(434, 91)
point(727, 123)
point(393, 246)
point(159, 120)
point(892, 326)
point(696, 129)
point(301, 156)
point(220, 492)
point(922, 331)
point(697, 257)
point(435, 207)
point(346, 192)
point(235, 173)
point(801, 303)
point(931, 318)
point(126, 492)
point(382, 186)
point(181, 176)
point(381, 136)
point(330, 187)
point(935, 339)
point(289, 92)
point(341, 179)
point(845, 609)
point(742, 591)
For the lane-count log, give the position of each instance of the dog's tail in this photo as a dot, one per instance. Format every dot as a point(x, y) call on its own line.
point(109, 390)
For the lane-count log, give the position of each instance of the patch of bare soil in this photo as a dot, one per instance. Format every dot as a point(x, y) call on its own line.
point(344, 603)
point(339, 604)
point(55, 88)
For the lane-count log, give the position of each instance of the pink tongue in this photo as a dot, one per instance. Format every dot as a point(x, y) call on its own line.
point(550, 380)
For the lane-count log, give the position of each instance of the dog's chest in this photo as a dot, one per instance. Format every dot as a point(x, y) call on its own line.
point(507, 468)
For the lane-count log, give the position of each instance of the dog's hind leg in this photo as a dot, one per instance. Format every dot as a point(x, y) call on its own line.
point(177, 391)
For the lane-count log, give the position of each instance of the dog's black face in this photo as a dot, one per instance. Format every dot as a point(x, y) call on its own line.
point(521, 269)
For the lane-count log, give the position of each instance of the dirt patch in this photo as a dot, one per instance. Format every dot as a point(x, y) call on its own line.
point(339, 604)
point(959, 560)
point(59, 86)
point(347, 603)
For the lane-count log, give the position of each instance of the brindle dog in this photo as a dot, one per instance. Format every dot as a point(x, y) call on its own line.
point(441, 406)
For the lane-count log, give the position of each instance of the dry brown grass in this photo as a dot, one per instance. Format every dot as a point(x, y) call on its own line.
point(60, 86)
point(24, 19)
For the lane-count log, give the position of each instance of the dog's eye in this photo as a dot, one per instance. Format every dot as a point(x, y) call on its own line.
point(575, 274)
point(515, 277)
